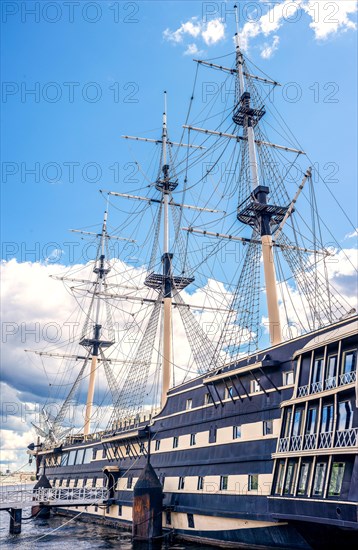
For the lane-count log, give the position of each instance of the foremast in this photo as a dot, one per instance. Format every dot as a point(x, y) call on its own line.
point(96, 343)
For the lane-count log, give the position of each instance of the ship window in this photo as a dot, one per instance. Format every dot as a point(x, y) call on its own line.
point(189, 404)
point(129, 482)
point(54, 482)
point(345, 416)
point(331, 372)
point(254, 386)
point(157, 444)
point(290, 477)
point(84, 482)
point(68, 481)
point(223, 483)
point(191, 521)
point(181, 483)
point(192, 439)
point(175, 442)
point(208, 399)
point(76, 482)
point(303, 479)
point(88, 456)
point(162, 479)
point(349, 362)
point(317, 370)
point(268, 427)
point(64, 459)
point(335, 483)
point(297, 422)
point(119, 509)
point(287, 423)
point(60, 482)
point(168, 517)
point(94, 454)
point(96, 508)
point(128, 449)
point(311, 420)
point(212, 434)
point(288, 378)
point(79, 457)
point(104, 453)
point(71, 458)
point(327, 418)
point(228, 392)
point(236, 432)
point(253, 482)
point(200, 485)
point(319, 478)
point(94, 482)
point(279, 482)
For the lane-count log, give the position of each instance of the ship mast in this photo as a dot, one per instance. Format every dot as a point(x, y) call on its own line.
point(166, 187)
point(96, 343)
point(246, 116)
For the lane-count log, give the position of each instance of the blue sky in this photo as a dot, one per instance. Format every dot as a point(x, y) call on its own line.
point(131, 63)
point(133, 52)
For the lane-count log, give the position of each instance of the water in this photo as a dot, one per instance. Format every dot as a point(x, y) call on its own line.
point(59, 532)
point(65, 533)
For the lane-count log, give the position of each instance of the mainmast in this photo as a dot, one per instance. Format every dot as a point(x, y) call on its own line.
point(166, 187)
point(255, 211)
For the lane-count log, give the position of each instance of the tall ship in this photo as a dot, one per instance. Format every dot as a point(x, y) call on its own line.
point(222, 355)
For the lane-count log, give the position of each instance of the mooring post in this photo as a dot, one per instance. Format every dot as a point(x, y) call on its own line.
point(147, 506)
point(39, 510)
point(15, 521)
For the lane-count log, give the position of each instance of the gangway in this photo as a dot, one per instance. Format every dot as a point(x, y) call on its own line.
point(14, 501)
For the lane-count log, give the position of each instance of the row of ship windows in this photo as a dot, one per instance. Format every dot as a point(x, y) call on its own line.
point(252, 482)
point(293, 423)
point(255, 387)
point(291, 473)
point(84, 456)
point(325, 372)
point(267, 429)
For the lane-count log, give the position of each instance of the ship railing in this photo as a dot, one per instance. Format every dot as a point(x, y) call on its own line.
point(55, 495)
point(330, 383)
point(283, 444)
point(325, 440)
point(296, 443)
point(347, 438)
point(310, 441)
point(303, 391)
point(316, 387)
point(347, 378)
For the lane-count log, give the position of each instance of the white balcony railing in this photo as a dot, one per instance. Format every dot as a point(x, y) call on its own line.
point(325, 440)
point(346, 438)
point(283, 444)
point(347, 378)
point(310, 441)
point(303, 391)
point(316, 387)
point(343, 438)
point(330, 383)
point(296, 443)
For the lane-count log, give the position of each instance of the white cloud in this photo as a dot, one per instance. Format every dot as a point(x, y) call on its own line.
point(191, 27)
point(269, 49)
point(192, 49)
point(330, 17)
point(210, 32)
point(214, 32)
point(352, 235)
point(327, 18)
